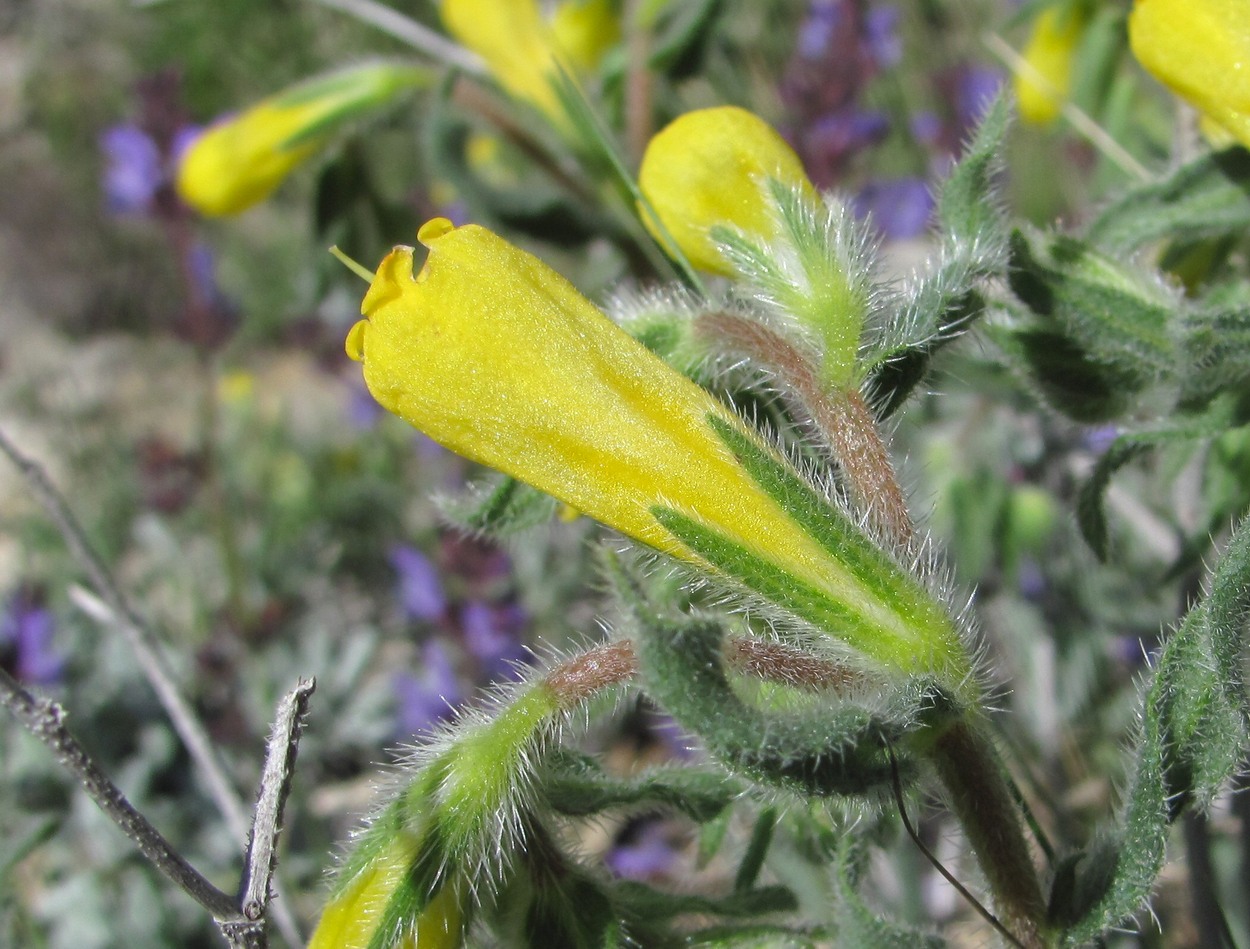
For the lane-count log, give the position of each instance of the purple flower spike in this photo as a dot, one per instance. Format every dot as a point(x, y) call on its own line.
point(900, 208)
point(26, 631)
point(645, 853)
point(491, 635)
point(134, 170)
point(430, 696)
point(420, 590)
point(881, 36)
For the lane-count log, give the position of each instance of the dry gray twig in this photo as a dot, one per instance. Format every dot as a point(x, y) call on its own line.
point(241, 921)
point(146, 647)
point(275, 785)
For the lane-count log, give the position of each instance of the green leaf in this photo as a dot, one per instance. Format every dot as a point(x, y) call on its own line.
point(968, 204)
point(1104, 41)
point(944, 304)
point(1216, 346)
point(1209, 197)
point(575, 785)
point(500, 506)
point(1069, 379)
point(757, 850)
point(1090, 509)
point(839, 749)
point(1091, 512)
point(1120, 317)
point(1193, 737)
point(648, 903)
point(682, 37)
point(860, 926)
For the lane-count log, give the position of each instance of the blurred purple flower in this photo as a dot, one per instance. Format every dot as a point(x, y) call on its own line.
point(134, 169)
point(899, 207)
point(644, 853)
point(201, 268)
point(817, 31)
point(881, 37)
point(420, 589)
point(975, 88)
point(26, 633)
point(672, 736)
point(848, 130)
point(1030, 579)
point(431, 695)
point(363, 411)
point(492, 637)
point(1098, 440)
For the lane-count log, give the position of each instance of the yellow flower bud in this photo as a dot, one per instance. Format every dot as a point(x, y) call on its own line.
point(1043, 87)
point(240, 161)
point(522, 50)
point(497, 357)
point(1200, 49)
point(710, 168)
point(351, 919)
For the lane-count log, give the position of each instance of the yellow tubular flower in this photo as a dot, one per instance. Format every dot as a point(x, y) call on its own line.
point(497, 357)
point(709, 168)
point(1200, 49)
point(240, 161)
point(1043, 88)
point(521, 48)
point(351, 919)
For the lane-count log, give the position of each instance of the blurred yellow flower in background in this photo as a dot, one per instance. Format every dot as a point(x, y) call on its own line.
point(241, 160)
point(1200, 49)
point(1044, 86)
point(523, 49)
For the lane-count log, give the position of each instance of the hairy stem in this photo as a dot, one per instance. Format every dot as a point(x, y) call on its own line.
point(981, 799)
point(840, 418)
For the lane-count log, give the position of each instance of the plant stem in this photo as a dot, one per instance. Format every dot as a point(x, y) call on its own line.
point(981, 799)
point(840, 418)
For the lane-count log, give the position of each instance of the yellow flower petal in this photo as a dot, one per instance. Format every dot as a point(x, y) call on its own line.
point(240, 161)
point(585, 30)
point(1200, 49)
point(521, 48)
point(497, 357)
point(350, 920)
point(1042, 89)
point(709, 168)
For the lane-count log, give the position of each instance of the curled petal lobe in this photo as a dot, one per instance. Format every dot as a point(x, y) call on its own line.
point(710, 168)
point(1200, 49)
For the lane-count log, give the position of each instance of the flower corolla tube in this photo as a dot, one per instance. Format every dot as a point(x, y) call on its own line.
point(494, 355)
point(1200, 49)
